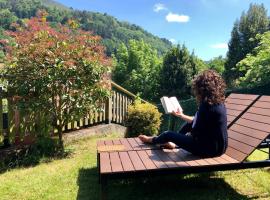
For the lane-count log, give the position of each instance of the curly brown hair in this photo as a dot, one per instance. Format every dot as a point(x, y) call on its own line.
point(209, 87)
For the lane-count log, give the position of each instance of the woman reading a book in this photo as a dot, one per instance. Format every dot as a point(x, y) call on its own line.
point(205, 134)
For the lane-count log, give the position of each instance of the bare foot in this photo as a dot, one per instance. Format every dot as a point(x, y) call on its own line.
point(145, 139)
point(169, 145)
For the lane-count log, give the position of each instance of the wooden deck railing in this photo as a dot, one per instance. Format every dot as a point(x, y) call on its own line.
point(114, 110)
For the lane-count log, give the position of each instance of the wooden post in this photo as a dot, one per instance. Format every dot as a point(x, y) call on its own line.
point(1, 112)
point(108, 110)
point(10, 117)
point(17, 126)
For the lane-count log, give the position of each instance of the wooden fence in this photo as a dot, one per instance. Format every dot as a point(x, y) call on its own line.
point(14, 124)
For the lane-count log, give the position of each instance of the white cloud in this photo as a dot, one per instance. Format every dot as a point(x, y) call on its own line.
point(159, 6)
point(219, 46)
point(172, 40)
point(172, 17)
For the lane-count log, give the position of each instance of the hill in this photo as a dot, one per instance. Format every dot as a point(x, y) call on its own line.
point(54, 4)
point(109, 28)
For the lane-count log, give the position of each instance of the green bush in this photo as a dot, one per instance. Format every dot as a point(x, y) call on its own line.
point(143, 118)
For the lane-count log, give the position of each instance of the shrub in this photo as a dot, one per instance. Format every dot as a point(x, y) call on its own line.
point(143, 118)
point(57, 74)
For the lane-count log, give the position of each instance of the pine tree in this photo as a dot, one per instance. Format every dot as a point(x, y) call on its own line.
point(243, 39)
point(234, 55)
point(176, 73)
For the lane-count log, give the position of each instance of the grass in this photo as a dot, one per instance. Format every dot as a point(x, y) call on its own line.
point(75, 177)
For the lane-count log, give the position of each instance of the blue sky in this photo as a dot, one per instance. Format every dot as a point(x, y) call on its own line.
point(202, 25)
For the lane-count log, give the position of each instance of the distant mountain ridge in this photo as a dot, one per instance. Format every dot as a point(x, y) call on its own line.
point(113, 31)
point(54, 4)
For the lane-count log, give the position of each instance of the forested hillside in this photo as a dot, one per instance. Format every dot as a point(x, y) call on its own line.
point(109, 28)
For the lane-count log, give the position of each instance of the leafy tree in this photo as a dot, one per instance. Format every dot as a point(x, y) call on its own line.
point(217, 64)
point(243, 39)
point(176, 73)
point(256, 64)
point(57, 74)
point(137, 69)
point(6, 18)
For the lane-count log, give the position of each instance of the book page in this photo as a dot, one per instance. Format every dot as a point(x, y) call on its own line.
point(175, 104)
point(167, 105)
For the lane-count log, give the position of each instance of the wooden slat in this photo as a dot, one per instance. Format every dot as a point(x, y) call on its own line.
point(156, 160)
point(229, 159)
point(248, 131)
point(117, 108)
point(233, 112)
point(244, 138)
point(235, 107)
point(230, 118)
point(133, 143)
point(202, 162)
point(120, 107)
point(235, 154)
point(91, 116)
point(187, 157)
point(115, 162)
point(125, 142)
point(108, 142)
point(125, 107)
point(244, 148)
point(165, 158)
point(255, 125)
point(259, 111)
point(265, 98)
point(111, 148)
point(144, 145)
point(148, 163)
point(116, 142)
point(243, 96)
point(105, 165)
point(238, 101)
point(114, 106)
point(221, 160)
point(211, 161)
point(262, 104)
point(257, 118)
point(126, 162)
point(136, 161)
point(176, 158)
point(100, 143)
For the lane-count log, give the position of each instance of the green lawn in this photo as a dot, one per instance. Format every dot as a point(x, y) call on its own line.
point(76, 177)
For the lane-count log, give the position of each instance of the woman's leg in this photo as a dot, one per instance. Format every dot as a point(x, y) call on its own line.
point(186, 128)
point(181, 140)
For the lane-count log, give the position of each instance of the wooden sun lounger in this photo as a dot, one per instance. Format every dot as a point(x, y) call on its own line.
point(248, 126)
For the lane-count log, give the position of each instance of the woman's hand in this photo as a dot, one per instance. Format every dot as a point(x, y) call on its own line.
point(184, 117)
point(178, 113)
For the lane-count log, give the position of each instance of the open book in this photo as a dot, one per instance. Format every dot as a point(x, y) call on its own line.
point(170, 104)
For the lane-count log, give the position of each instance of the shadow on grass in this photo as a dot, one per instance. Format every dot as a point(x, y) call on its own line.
point(44, 150)
point(202, 186)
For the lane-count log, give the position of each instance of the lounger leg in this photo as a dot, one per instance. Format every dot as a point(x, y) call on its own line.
point(98, 166)
point(103, 186)
point(269, 150)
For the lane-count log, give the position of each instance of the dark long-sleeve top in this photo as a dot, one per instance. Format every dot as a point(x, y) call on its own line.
point(210, 129)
